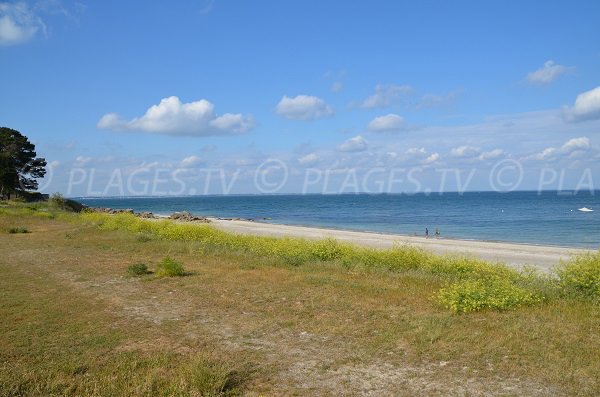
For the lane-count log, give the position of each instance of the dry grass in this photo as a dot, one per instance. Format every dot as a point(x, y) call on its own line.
point(75, 324)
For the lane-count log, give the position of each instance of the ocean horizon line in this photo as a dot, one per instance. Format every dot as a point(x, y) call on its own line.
point(437, 193)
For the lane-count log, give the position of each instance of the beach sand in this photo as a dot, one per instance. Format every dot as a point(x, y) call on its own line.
point(516, 255)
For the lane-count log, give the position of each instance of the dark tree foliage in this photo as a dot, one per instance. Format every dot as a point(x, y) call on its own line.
point(19, 166)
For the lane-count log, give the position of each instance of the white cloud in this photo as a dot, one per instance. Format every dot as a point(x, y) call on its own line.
point(18, 23)
point(492, 154)
point(388, 123)
point(414, 151)
point(586, 107)
point(303, 107)
point(233, 122)
point(191, 161)
point(545, 154)
point(356, 144)
point(571, 148)
point(172, 117)
point(548, 73)
point(431, 159)
point(464, 151)
point(309, 159)
point(80, 161)
point(581, 143)
point(386, 95)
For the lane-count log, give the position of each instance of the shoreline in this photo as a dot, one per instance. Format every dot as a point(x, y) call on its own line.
point(543, 257)
point(267, 221)
point(514, 254)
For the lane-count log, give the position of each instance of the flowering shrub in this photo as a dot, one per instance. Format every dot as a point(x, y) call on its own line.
point(581, 276)
point(472, 295)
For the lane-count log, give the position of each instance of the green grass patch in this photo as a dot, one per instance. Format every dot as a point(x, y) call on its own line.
point(138, 269)
point(169, 267)
point(17, 230)
point(55, 342)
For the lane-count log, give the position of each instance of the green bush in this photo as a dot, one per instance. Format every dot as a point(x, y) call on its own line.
point(581, 276)
point(137, 269)
point(57, 200)
point(472, 295)
point(169, 267)
point(17, 230)
point(327, 250)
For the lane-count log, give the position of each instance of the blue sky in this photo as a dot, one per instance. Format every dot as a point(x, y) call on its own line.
point(358, 91)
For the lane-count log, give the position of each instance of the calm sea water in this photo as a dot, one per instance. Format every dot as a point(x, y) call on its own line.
point(526, 217)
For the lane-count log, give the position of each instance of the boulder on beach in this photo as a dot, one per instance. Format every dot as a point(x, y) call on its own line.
point(188, 217)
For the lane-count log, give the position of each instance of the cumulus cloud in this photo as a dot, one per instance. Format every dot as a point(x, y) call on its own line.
point(586, 107)
point(172, 117)
point(388, 123)
point(545, 154)
point(581, 143)
point(464, 151)
point(386, 95)
point(191, 161)
point(491, 155)
point(309, 159)
point(548, 73)
point(571, 148)
point(416, 151)
point(431, 158)
point(18, 23)
point(356, 144)
point(303, 107)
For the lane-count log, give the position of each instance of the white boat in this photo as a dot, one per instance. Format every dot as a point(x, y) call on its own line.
point(585, 209)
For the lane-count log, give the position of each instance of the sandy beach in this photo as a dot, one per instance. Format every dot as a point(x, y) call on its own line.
point(517, 255)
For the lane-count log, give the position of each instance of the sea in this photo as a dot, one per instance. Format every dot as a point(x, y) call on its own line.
point(544, 218)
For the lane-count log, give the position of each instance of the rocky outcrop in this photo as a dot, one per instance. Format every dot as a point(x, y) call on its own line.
point(178, 216)
point(188, 217)
point(112, 210)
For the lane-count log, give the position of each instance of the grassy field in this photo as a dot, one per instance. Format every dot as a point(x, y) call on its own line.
point(259, 316)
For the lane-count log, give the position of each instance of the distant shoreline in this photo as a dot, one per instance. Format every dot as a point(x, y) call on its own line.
point(375, 232)
point(515, 254)
point(542, 257)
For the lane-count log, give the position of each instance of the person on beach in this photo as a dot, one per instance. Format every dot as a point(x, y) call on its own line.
point(426, 233)
point(437, 232)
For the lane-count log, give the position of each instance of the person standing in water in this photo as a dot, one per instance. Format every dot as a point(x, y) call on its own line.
point(426, 233)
